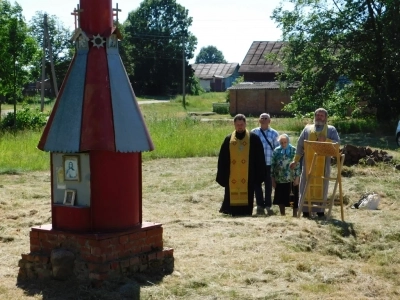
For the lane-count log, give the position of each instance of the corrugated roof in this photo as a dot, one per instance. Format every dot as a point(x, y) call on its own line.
point(208, 71)
point(270, 85)
point(96, 108)
point(255, 62)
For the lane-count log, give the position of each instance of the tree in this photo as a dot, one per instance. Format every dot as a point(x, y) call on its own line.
point(342, 52)
point(156, 40)
point(62, 48)
point(237, 81)
point(17, 51)
point(210, 55)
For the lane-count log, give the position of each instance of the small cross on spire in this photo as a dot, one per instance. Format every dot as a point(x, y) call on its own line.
point(116, 13)
point(77, 14)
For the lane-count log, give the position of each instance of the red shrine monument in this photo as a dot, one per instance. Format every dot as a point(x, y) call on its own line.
point(95, 136)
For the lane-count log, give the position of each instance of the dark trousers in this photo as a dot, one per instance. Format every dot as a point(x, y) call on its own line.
point(260, 200)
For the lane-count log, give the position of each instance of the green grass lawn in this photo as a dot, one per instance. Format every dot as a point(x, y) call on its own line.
point(178, 132)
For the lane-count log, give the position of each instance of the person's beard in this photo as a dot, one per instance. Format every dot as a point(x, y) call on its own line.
point(240, 134)
point(319, 123)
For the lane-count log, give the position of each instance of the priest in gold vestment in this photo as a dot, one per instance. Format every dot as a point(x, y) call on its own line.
point(322, 132)
point(241, 165)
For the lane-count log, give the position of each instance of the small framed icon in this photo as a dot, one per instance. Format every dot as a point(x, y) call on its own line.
point(71, 168)
point(69, 197)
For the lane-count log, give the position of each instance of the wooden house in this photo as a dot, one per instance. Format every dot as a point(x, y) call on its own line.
point(260, 92)
point(255, 67)
point(34, 88)
point(216, 77)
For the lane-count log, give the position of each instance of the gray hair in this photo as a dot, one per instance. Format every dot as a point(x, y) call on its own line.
point(321, 110)
point(265, 115)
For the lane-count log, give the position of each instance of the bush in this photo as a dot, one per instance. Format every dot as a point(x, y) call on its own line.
point(354, 125)
point(237, 80)
point(195, 88)
point(221, 108)
point(26, 118)
point(36, 99)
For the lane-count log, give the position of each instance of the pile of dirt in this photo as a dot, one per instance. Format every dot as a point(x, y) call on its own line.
point(353, 155)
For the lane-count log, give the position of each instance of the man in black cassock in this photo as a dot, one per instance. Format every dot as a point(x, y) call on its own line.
point(241, 165)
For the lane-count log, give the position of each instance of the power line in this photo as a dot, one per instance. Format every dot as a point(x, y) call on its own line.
point(161, 57)
point(136, 36)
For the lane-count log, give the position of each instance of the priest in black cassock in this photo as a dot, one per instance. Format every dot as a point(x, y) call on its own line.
point(241, 165)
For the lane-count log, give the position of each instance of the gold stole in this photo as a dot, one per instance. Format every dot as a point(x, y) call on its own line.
point(313, 134)
point(239, 169)
point(315, 189)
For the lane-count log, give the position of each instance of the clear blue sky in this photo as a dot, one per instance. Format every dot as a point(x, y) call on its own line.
point(231, 26)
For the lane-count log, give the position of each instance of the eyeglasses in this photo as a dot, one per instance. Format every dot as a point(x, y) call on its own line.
point(264, 118)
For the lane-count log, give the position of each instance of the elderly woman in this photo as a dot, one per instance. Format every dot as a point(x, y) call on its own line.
point(285, 180)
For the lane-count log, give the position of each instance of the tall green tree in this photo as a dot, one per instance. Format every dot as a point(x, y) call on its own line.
point(342, 52)
point(62, 48)
point(17, 51)
point(157, 44)
point(210, 55)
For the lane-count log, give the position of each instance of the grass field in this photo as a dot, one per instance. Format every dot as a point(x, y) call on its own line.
point(219, 257)
point(216, 257)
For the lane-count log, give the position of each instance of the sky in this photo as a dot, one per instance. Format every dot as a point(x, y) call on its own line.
point(231, 26)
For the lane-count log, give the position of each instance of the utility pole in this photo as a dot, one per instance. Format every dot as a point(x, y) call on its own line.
point(46, 41)
point(43, 69)
point(183, 74)
point(53, 72)
point(13, 35)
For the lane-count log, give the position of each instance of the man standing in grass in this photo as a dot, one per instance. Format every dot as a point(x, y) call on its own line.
point(320, 131)
point(269, 139)
point(241, 166)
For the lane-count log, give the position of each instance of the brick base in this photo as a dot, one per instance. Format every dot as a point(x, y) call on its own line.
point(98, 256)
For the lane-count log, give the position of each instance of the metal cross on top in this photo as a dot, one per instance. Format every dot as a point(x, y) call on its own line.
point(77, 14)
point(116, 13)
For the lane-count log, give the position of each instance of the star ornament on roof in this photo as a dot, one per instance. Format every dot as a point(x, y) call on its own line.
point(98, 41)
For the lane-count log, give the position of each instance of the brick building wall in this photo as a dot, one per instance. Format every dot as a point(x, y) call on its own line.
point(256, 101)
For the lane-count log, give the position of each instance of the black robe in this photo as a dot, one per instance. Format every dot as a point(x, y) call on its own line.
point(256, 174)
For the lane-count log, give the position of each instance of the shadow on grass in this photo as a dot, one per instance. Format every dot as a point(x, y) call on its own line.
point(121, 288)
point(10, 172)
point(155, 97)
point(345, 229)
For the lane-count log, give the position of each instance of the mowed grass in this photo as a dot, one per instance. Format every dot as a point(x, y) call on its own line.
point(220, 257)
point(216, 257)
